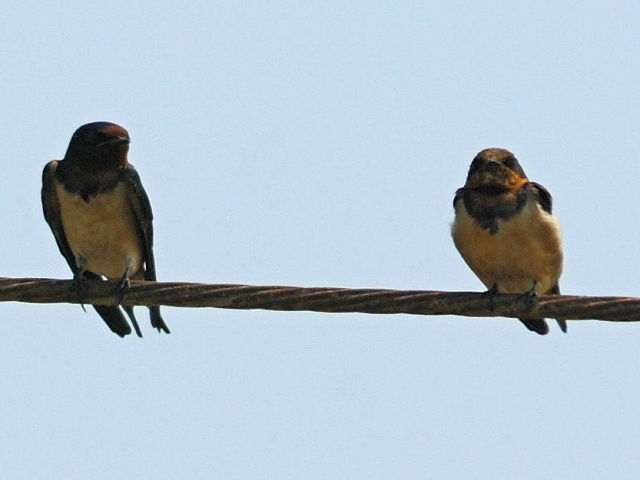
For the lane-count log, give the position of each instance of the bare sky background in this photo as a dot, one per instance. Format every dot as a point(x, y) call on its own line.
point(320, 144)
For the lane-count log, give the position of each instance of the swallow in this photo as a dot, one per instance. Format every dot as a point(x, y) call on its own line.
point(101, 217)
point(505, 231)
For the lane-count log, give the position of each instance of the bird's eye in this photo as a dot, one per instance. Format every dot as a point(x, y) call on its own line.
point(94, 137)
point(509, 163)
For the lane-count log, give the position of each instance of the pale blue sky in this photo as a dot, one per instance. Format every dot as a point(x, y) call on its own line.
point(320, 144)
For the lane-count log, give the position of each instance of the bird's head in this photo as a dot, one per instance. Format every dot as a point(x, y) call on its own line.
point(99, 142)
point(495, 170)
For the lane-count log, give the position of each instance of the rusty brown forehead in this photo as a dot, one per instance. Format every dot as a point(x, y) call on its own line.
point(114, 130)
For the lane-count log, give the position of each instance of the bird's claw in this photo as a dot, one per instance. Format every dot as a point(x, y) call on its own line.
point(491, 293)
point(530, 296)
point(77, 288)
point(122, 287)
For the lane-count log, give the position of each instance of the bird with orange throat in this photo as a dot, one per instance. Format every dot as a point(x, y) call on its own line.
point(101, 217)
point(505, 231)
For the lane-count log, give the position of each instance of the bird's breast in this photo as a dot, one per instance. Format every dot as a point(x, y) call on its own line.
point(525, 248)
point(102, 232)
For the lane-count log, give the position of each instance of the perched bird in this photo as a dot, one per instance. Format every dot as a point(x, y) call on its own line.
point(505, 231)
point(100, 215)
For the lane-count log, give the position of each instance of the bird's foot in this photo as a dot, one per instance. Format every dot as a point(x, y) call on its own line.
point(491, 293)
point(122, 286)
point(76, 286)
point(530, 296)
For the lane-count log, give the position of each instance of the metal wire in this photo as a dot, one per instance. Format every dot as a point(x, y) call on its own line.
point(322, 299)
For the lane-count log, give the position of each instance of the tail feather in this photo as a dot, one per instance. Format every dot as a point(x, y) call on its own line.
point(157, 321)
point(114, 319)
point(117, 323)
point(537, 325)
point(134, 322)
point(562, 323)
point(111, 315)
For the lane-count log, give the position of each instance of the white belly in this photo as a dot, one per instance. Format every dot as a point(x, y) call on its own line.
point(527, 248)
point(102, 233)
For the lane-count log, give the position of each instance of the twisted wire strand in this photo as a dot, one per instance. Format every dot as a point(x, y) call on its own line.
point(322, 299)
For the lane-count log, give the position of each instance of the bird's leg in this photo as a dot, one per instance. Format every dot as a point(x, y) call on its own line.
point(124, 283)
point(491, 293)
point(530, 295)
point(78, 275)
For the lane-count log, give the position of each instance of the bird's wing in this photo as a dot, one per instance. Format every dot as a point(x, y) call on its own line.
point(459, 194)
point(555, 290)
point(51, 209)
point(543, 197)
point(141, 208)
